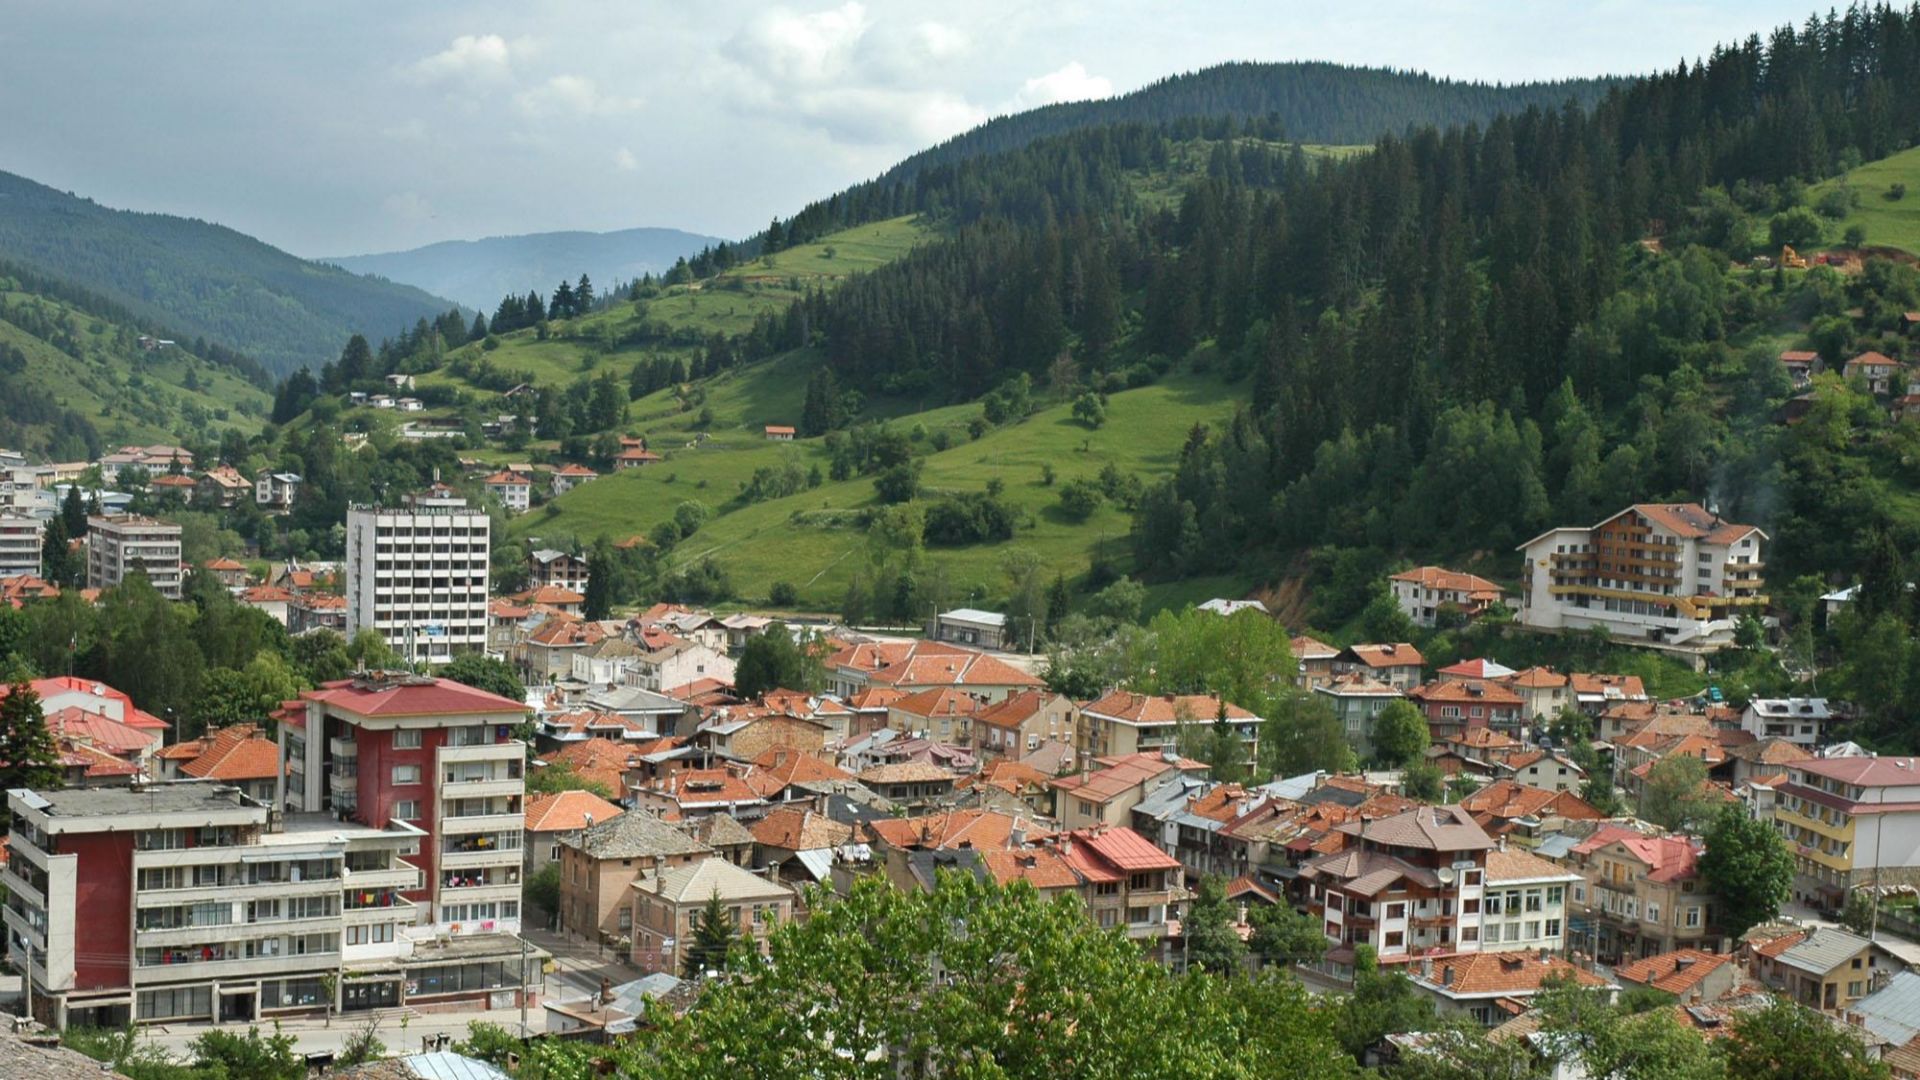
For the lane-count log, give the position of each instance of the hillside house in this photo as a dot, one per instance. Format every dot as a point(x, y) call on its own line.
point(1877, 370)
point(570, 476)
point(514, 490)
point(1800, 721)
point(1121, 722)
point(779, 433)
point(1452, 706)
point(971, 626)
point(1397, 664)
point(1800, 365)
point(1426, 593)
point(276, 491)
point(1315, 660)
point(1357, 702)
point(547, 566)
point(221, 486)
point(1106, 795)
point(1017, 726)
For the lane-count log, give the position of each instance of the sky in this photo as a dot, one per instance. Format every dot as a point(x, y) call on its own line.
point(339, 127)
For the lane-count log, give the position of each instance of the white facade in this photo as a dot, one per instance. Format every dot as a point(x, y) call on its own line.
point(1797, 720)
point(20, 540)
point(1658, 573)
point(419, 575)
point(120, 544)
point(1525, 913)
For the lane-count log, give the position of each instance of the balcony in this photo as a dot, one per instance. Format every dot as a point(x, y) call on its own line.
point(1432, 922)
point(398, 876)
point(484, 788)
point(403, 911)
point(343, 783)
point(342, 746)
point(19, 886)
point(483, 823)
point(183, 936)
point(505, 750)
point(191, 965)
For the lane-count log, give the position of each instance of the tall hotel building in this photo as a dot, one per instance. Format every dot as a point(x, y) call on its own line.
point(418, 575)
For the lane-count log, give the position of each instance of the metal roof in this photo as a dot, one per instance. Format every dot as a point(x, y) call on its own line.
point(1824, 949)
point(444, 1065)
point(1893, 1011)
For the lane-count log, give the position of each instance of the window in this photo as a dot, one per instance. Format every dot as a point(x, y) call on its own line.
point(1556, 895)
point(1853, 989)
point(407, 810)
point(1692, 917)
point(1470, 906)
point(1553, 928)
point(1470, 879)
point(1653, 913)
point(1397, 911)
point(406, 739)
point(1493, 903)
point(406, 774)
point(1396, 940)
point(1533, 929)
point(1533, 899)
point(1469, 933)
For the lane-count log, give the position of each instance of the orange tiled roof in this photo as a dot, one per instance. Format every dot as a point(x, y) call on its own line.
point(1479, 974)
point(239, 752)
point(788, 767)
point(1464, 691)
point(1443, 580)
point(1676, 972)
point(981, 830)
point(796, 828)
point(1508, 799)
point(1041, 867)
point(1120, 774)
point(1396, 654)
point(1135, 708)
point(598, 760)
point(567, 811)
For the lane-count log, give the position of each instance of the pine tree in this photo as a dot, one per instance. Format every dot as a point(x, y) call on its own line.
point(73, 512)
point(28, 756)
point(715, 936)
point(479, 330)
point(583, 295)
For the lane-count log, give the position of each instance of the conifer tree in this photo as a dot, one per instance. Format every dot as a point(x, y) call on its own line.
point(715, 936)
point(28, 756)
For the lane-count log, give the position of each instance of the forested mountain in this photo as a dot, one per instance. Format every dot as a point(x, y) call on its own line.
point(76, 376)
point(1312, 102)
point(203, 279)
point(477, 273)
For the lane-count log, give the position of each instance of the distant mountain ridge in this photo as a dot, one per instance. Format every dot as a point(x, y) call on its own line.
point(203, 279)
point(1314, 101)
point(478, 273)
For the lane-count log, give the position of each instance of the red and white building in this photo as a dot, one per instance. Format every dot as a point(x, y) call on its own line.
point(1424, 591)
point(436, 755)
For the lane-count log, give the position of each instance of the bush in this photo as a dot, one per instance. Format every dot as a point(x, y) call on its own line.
point(898, 484)
point(1896, 192)
point(783, 594)
point(1080, 498)
point(1837, 202)
point(1798, 227)
point(968, 519)
point(1855, 236)
point(941, 439)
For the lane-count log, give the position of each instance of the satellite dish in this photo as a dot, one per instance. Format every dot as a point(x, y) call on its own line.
point(1445, 874)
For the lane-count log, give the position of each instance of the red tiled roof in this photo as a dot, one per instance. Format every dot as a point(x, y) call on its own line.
point(1536, 678)
point(981, 830)
point(1481, 974)
point(1434, 577)
point(1104, 854)
point(116, 738)
point(1676, 972)
point(411, 696)
point(1689, 520)
point(1464, 691)
point(556, 595)
point(597, 760)
point(507, 479)
point(267, 594)
point(567, 811)
point(1124, 705)
point(1120, 774)
point(1508, 799)
point(939, 701)
point(1043, 868)
point(796, 828)
point(1668, 858)
point(1397, 654)
point(789, 767)
point(223, 565)
point(239, 752)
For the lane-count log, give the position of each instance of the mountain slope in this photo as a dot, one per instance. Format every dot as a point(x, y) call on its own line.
point(75, 378)
point(1314, 102)
point(203, 279)
point(478, 273)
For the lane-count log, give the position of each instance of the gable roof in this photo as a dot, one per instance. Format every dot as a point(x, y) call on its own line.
point(1464, 692)
point(1121, 774)
point(695, 882)
point(635, 834)
point(390, 694)
point(1690, 521)
point(1507, 799)
point(799, 829)
point(1306, 648)
point(975, 828)
point(1512, 865)
point(1431, 828)
point(1017, 709)
point(1675, 972)
point(1393, 654)
point(1127, 707)
point(567, 811)
point(1444, 580)
point(1499, 974)
point(239, 752)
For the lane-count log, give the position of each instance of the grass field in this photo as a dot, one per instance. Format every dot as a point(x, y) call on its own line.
point(727, 304)
point(1889, 222)
point(818, 551)
point(131, 395)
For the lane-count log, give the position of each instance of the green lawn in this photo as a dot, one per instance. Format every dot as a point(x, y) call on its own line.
point(766, 542)
point(1889, 222)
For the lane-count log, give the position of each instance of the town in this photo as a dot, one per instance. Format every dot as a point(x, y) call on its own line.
point(583, 834)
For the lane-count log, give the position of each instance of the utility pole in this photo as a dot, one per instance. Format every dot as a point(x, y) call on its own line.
point(523, 986)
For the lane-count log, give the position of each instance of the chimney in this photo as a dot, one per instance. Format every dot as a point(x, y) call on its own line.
point(1446, 975)
point(1426, 968)
point(606, 990)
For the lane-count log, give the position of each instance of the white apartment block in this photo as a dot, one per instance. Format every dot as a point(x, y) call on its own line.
point(1797, 720)
point(20, 540)
point(192, 903)
point(1671, 573)
point(418, 574)
point(120, 544)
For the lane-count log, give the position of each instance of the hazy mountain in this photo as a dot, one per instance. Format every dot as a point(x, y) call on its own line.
point(203, 279)
point(479, 272)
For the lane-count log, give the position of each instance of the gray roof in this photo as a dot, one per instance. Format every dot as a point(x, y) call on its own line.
point(21, 1058)
point(633, 699)
point(1893, 1011)
point(718, 830)
point(442, 1065)
point(1789, 708)
point(695, 882)
point(178, 798)
point(925, 865)
point(1556, 845)
point(635, 834)
point(1824, 949)
point(975, 615)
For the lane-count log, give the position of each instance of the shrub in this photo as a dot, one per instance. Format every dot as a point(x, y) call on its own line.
point(1080, 498)
point(1837, 202)
point(1896, 191)
point(783, 594)
point(968, 519)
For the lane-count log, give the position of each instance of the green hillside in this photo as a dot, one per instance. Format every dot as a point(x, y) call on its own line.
point(1890, 220)
point(78, 381)
point(203, 279)
point(814, 540)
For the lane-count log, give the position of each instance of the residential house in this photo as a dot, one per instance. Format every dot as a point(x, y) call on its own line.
point(1764, 759)
point(1491, 988)
point(1594, 694)
point(276, 491)
point(1012, 785)
point(912, 784)
point(1507, 807)
point(555, 817)
point(606, 663)
point(1850, 821)
point(1315, 659)
point(605, 763)
point(599, 865)
point(1224, 607)
point(1824, 968)
point(1524, 907)
point(797, 844)
point(972, 627)
point(309, 611)
point(1800, 721)
point(570, 476)
point(1427, 594)
point(677, 662)
point(272, 600)
point(1018, 725)
point(1547, 770)
point(221, 486)
point(1878, 371)
point(1692, 976)
point(739, 790)
point(231, 573)
point(1107, 795)
point(557, 597)
point(729, 839)
point(1543, 693)
point(546, 566)
point(743, 733)
point(666, 906)
point(1800, 365)
point(1121, 722)
point(634, 457)
point(1404, 884)
point(1130, 883)
point(1396, 664)
point(922, 665)
point(1453, 706)
point(549, 650)
point(1660, 573)
point(1357, 701)
point(240, 756)
point(1643, 895)
point(779, 433)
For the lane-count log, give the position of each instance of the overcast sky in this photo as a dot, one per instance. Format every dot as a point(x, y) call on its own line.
point(333, 127)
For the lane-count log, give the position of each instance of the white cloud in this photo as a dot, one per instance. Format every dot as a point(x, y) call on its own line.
point(571, 95)
point(483, 57)
point(940, 41)
point(1069, 83)
point(814, 48)
point(624, 160)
